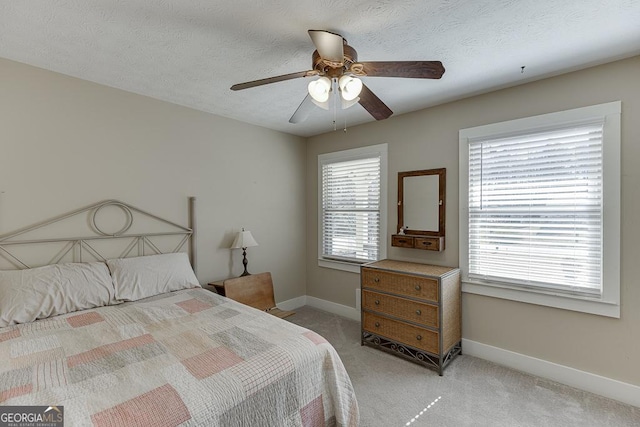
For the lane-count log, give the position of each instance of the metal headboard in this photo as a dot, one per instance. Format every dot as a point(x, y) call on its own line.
point(81, 247)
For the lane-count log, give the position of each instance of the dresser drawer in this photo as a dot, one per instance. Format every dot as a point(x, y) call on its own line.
point(400, 284)
point(421, 313)
point(413, 336)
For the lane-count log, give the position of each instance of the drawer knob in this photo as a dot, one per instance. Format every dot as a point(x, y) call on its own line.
point(377, 302)
point(377, 324)
point(418, 337)
point(426, 243)
point(418, 287)
point(377, 280)
point(418, 312)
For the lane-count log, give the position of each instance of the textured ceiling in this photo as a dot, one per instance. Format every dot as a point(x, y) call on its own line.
point(191, 52)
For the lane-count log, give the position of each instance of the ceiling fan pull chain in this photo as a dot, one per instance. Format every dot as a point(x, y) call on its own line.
point(335, 101)
point(334, 116)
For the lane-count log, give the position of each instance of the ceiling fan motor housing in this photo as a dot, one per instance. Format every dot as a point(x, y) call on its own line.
point(334, 69)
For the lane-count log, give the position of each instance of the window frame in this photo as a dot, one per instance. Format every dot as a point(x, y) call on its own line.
point(608, 304)
point(380, 150)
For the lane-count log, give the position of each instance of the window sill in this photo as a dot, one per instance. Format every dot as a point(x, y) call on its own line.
point(339, 265)
point(567, 302)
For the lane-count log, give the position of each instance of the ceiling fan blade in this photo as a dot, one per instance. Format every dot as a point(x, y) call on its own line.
point(303, 110)
point(275, 79)
point(408, 69)
point(373, 104)
point(329, 45)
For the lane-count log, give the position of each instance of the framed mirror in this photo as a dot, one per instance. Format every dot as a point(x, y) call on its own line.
point(421, 209)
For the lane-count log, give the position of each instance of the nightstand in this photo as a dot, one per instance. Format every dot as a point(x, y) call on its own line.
point(255, 290)
point(218, 286)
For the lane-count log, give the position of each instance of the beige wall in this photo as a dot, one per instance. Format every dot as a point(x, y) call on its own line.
point(429, 139)
point(67, 143)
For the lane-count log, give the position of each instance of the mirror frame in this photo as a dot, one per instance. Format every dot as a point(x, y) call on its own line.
point(442, 192)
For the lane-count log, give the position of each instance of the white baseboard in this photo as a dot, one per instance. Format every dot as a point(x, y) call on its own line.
point(321, 304)
point(293, 303)
point(607, 387)
point(332, 307)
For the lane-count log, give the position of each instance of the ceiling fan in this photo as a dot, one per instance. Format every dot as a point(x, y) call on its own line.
point(336, 65)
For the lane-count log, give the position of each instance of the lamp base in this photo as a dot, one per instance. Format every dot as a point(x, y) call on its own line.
point(245, 262)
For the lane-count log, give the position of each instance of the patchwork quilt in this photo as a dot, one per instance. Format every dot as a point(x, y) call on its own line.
point(185, 358)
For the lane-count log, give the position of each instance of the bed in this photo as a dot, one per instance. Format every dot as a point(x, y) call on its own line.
point(171, 354)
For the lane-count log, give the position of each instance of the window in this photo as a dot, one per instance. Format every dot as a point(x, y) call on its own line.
point(540, 218)
point(352, 207)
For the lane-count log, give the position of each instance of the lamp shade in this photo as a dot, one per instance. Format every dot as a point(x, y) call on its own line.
point(244, 239)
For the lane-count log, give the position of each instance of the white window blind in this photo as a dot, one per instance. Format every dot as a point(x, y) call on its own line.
point(351, 202)
point(535, 209)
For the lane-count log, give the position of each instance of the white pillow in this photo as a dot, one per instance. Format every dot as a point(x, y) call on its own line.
point(145, 276)
point(37, 293)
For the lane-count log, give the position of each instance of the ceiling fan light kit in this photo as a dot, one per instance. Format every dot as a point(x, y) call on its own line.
point(350, 87)
point(324, 105)
point(350, 103)
point(335, 61)
point(319, 89)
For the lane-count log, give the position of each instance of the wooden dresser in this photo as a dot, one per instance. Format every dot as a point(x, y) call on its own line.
point(413, 310)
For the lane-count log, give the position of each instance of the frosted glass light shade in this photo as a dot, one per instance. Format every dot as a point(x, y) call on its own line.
point(319, 89)
point(350, 87)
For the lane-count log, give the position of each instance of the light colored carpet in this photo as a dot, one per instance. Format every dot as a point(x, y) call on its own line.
point(473, 392)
